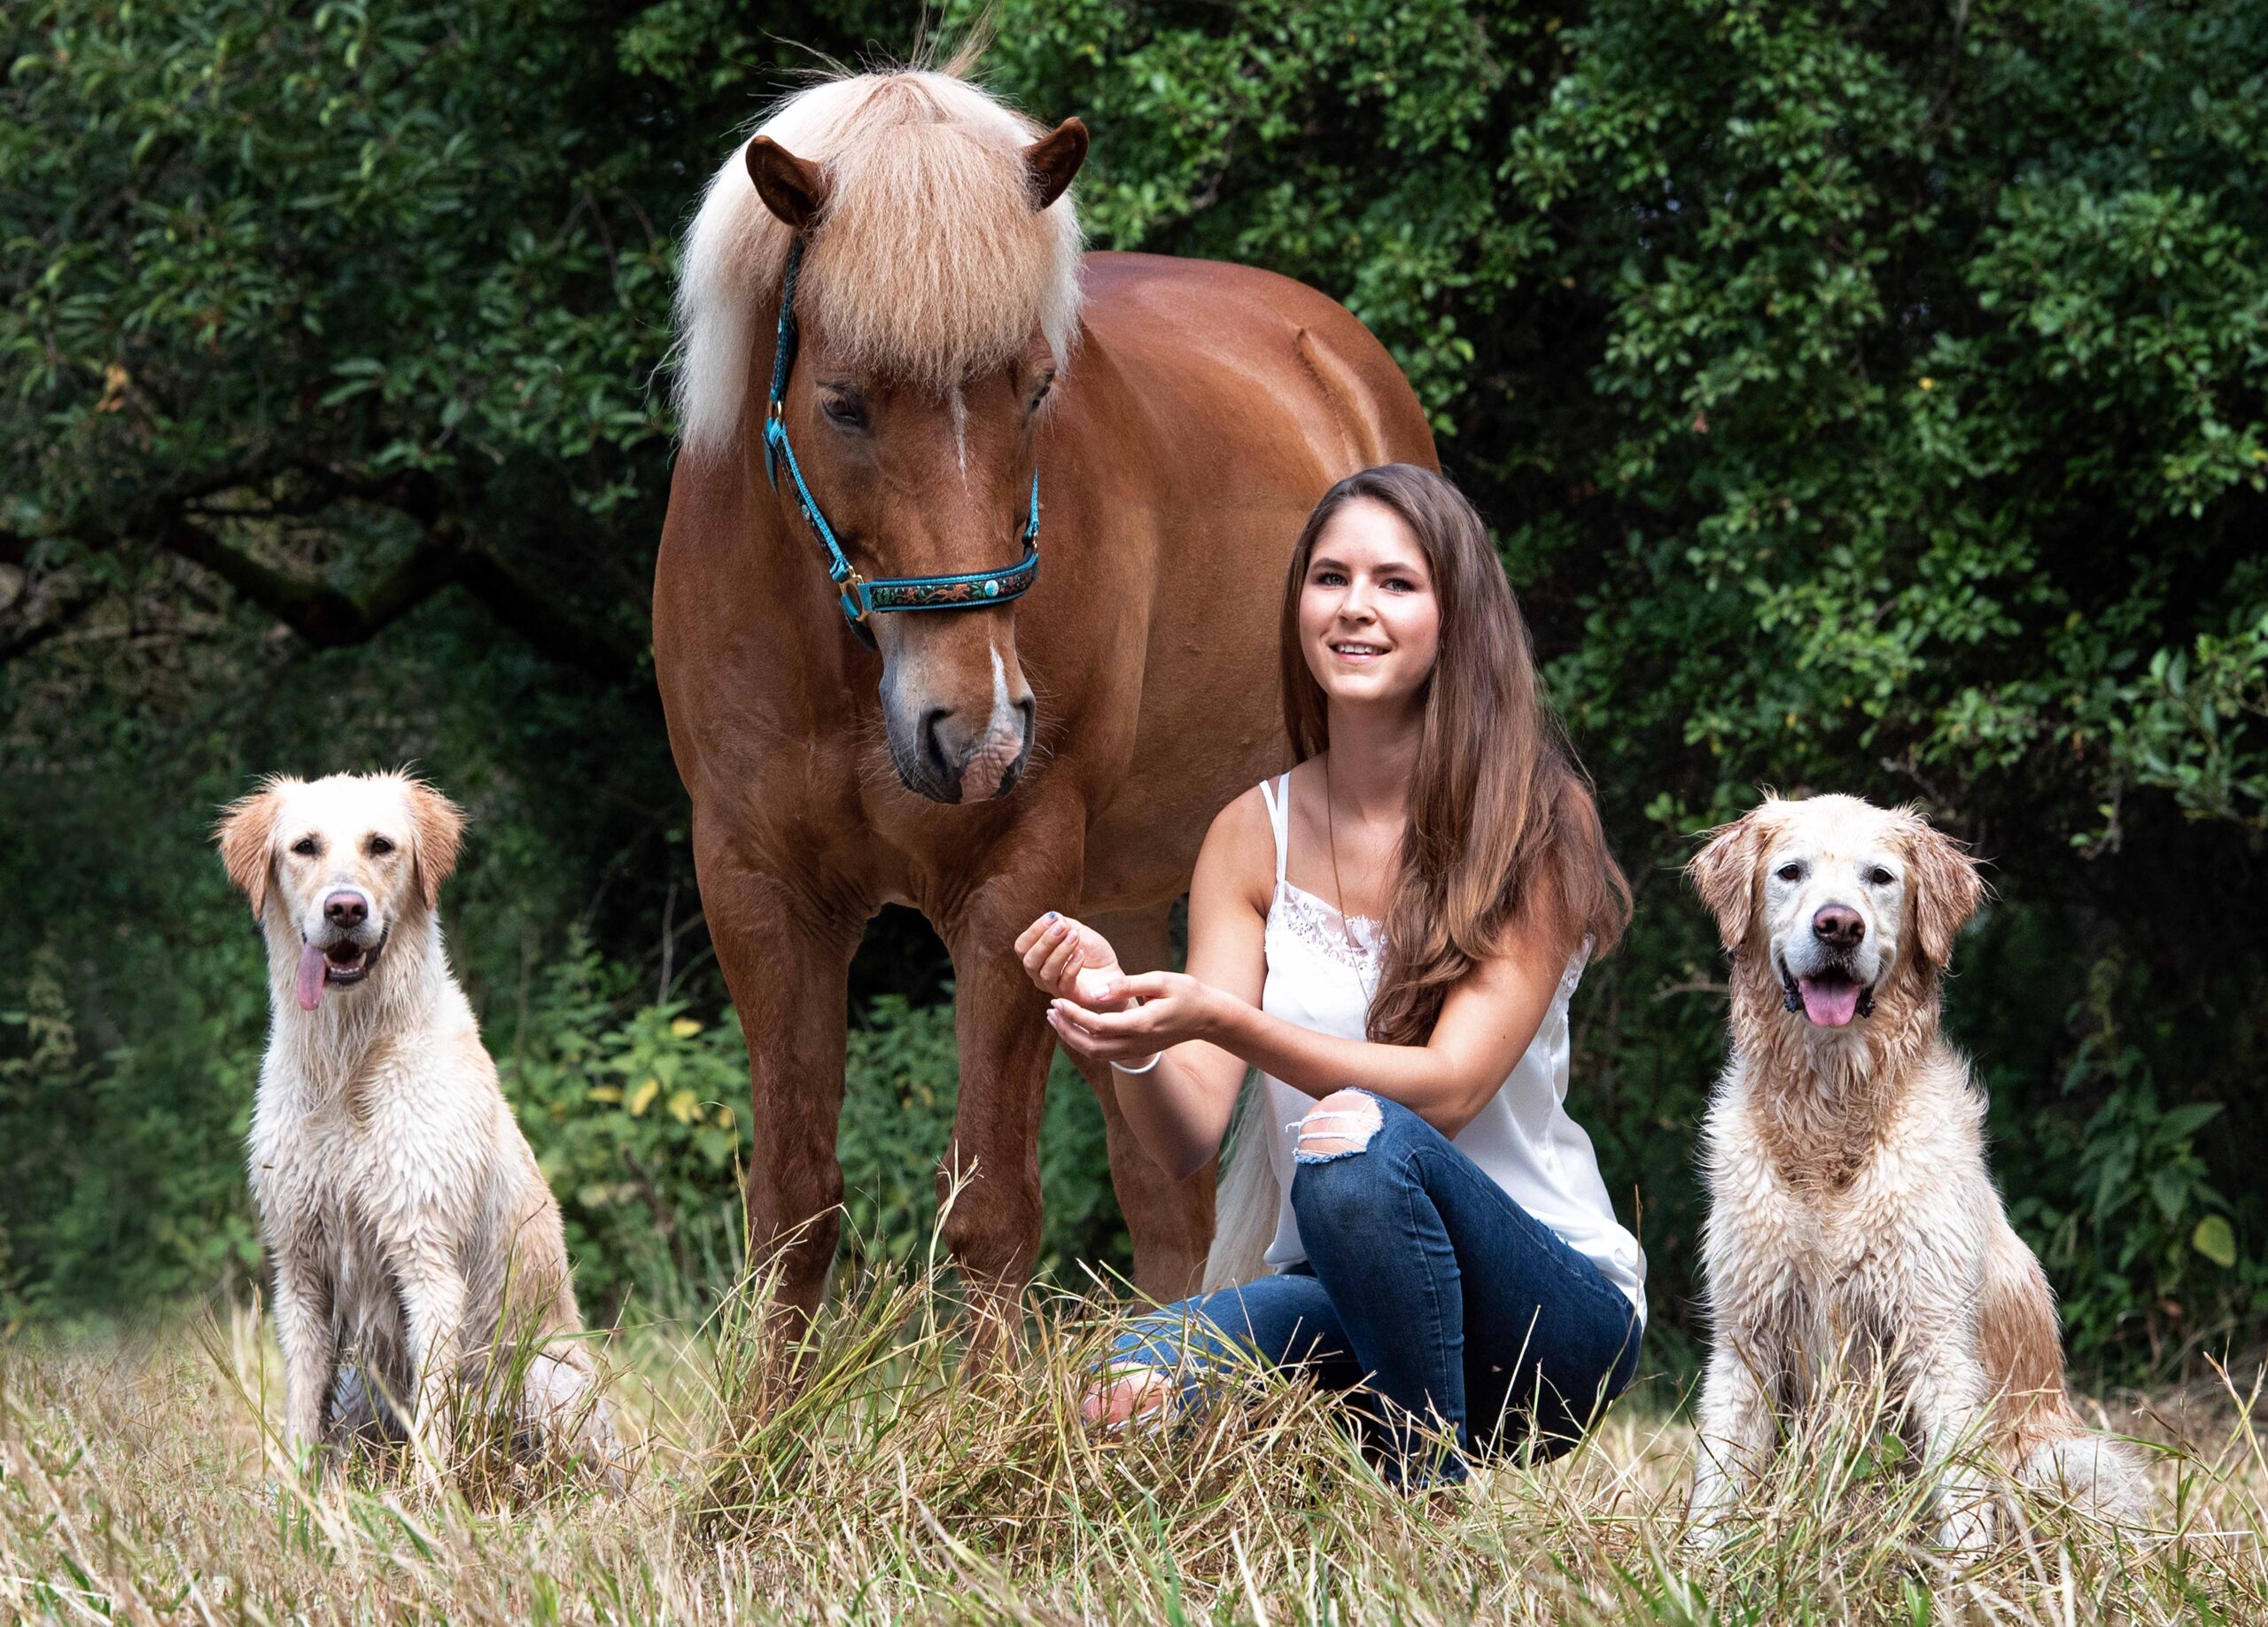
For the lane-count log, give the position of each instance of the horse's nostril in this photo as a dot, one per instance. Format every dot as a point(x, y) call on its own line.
point(933, 745)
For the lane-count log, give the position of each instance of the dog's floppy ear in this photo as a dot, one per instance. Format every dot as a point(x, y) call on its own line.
point(1724, 874)
point(246, 832)
point(440, 824)
point(1947, 890)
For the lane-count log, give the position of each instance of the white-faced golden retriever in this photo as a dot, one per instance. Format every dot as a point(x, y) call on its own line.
point(1850, 1218)
point(415, 1244)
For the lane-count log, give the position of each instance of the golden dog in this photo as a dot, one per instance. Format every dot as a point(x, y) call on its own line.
point(1851, 1214)
point(413, 1237)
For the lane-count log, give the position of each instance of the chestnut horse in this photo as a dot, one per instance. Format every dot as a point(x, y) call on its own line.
point(957, 370)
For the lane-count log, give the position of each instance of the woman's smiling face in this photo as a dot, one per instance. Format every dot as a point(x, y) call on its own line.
point(1370, 623)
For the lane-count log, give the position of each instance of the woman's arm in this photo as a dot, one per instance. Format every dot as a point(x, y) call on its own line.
point(1489, 1018)
point(1179, 1109)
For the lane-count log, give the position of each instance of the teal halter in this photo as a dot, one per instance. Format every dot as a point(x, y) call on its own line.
point(859, 597)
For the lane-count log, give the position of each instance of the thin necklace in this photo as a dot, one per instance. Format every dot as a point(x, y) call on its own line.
point(1331, 840)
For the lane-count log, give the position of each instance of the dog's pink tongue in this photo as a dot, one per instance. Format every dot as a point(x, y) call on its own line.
point(1831, 1005)
point(311, 965)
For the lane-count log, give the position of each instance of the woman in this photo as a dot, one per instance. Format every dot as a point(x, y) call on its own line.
point(1390, 933)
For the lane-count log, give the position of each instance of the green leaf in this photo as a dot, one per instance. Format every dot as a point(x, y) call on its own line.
point(2216, 1240)
point(2169, 1189)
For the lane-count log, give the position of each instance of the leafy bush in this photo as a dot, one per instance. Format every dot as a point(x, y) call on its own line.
point(639, 1115)
point(2139, 1231)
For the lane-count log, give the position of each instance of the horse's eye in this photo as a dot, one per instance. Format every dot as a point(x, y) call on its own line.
point(1040, 394)
point(306, 848)
point(379, 847)
point(1791, 872)
point(845, 410)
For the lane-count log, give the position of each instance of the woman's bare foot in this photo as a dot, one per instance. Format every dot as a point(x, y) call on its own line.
point(1135, 1393)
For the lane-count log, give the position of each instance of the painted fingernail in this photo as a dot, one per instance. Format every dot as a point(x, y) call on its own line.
point(1051, 914)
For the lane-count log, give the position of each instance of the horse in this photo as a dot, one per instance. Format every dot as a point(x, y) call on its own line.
point(875, 691)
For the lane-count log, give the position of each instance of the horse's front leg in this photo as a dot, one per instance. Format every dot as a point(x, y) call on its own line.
point(989, 1183)
point(786, 949)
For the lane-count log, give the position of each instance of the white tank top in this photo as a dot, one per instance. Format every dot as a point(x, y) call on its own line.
point(1523, 1140)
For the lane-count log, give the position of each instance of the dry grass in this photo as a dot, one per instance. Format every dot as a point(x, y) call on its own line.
point(139, 1481)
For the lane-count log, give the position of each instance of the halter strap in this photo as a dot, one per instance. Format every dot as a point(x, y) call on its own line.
point(859, 597)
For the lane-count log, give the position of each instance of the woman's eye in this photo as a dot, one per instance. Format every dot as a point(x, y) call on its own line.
point(1329, 579)
point(304, 847)
point(379, 847)
point(843, 410)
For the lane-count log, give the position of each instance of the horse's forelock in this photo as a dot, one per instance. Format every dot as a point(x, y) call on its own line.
point(929, 263)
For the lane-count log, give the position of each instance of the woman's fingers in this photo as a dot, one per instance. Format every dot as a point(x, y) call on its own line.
point(1145, 985)
point(1082, 1031)
point(1042, 946)
point(1075, 1038)
point(1124, 1033)
point(1063, 960)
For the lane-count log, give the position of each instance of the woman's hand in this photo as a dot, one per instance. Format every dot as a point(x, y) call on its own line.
point(1172, 1007)
point(1068, 959)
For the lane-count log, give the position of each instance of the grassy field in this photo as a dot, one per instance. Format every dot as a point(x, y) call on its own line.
point(140, 1480)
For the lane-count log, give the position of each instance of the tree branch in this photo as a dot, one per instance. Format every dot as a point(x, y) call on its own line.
point(327, 616)
point(319, 614)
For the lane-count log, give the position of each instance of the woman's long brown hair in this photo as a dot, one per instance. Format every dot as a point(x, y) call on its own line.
point(1503, 851)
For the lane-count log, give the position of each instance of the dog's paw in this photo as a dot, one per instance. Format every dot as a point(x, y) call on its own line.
point(1968, 1531)
point(1706, 1533)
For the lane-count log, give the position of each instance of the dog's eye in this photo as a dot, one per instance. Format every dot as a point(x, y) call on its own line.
point(306, 848)
point(1879, 877)
point(1791, 872)
point(379, 847)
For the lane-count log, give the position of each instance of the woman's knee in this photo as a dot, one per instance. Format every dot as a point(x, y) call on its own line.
point(1344, 1171)
point(1341, 1126)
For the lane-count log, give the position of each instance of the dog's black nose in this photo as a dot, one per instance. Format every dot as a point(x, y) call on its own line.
point(347, 909)
point(1837, 926)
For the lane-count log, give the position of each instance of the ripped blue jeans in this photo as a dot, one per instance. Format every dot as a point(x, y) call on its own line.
point(1446, 1311)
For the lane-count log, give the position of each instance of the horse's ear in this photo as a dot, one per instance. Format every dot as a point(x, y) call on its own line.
point(247, 827)
point(1054, 160)
point(1724, 874)
point(440, 824)
point(1946, 890)
point(792, 188)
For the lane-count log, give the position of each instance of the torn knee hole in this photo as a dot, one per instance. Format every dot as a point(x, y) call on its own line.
point(1339, 1125)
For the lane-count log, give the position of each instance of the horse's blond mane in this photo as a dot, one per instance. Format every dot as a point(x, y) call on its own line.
point(928, 264)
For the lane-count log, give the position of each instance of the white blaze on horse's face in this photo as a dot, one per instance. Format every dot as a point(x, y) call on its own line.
point(1370, 620)
point(1834, 896)
point(923, 483)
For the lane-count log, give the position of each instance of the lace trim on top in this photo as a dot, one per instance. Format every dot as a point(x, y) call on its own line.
point(1323, 929)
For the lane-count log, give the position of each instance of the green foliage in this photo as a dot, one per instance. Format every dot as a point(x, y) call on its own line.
point(1867, 399)
point(2139, 1229)
point(638, 1115)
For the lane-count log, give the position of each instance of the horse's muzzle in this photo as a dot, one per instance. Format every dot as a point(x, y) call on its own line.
point(952, 762)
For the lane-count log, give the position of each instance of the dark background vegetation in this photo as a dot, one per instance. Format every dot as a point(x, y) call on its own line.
point(1866, 397)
